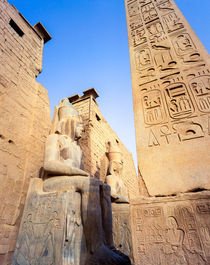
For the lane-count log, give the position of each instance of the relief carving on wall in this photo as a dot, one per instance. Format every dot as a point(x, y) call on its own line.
point(178, 101)
point(154, 112)
point(200, 87)
point(171, 233)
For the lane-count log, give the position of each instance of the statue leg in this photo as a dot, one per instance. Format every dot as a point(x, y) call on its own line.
point(106, 214)
point(97, 223)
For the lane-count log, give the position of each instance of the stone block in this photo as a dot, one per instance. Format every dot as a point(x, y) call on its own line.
point(171, 230)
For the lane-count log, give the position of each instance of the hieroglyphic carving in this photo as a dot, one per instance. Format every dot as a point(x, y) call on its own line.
point(200, 87)
point(159, 1)
point(155, 31)
point(135, 22)
point(153, 141)
point(188, 130)
point(138, 36)
point(178, 101)
point(153, 107)
point(173, 236)
point(148, 12)
point(171, 60)
point(144, 2)
point(185, 48)
point(203, 208)
point(165, 7)
point(143, 59)
point(172, 22)
point(177, 132)
point(164, 60)
point(144, 65)
point(133, 8)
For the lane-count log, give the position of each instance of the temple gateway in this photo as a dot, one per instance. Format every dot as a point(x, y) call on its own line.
point(70, 193)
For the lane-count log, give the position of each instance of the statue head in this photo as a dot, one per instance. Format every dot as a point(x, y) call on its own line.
point(66, 120)
point(115, 160)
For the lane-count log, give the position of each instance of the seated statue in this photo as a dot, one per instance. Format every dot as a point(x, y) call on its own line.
point(63, 155)
point(118, 189)
point(89, 239)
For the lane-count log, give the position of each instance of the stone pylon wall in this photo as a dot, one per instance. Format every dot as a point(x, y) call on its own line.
point(171, 95)
point(24, 120)
point(94, 145)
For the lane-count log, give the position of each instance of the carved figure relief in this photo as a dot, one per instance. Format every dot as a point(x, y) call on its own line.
point(194, 247)
point(178, 101)
point(148, 12)
point(155, 31)
point(122, 232)
point(200, 87)
point(173, 236)
point(36, 243)
point(153, 107)
point(172, 22)
point(185, 48)
point(133, 8)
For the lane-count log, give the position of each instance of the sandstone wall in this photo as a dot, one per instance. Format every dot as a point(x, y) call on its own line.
point(24, 120)
point(94, 145)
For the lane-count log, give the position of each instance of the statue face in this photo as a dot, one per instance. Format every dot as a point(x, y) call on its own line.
point(79, 131)
point(116, 168)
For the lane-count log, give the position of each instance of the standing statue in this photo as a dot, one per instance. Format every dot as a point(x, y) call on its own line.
point(82, 205)
point(118, 189)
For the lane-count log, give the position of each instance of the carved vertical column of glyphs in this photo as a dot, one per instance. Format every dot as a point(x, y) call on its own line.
point(171, 90)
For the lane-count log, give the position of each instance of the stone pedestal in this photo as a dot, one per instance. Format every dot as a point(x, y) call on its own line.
point(122, 228)
point(51, 226)
point(67, 221)
point(172, 230)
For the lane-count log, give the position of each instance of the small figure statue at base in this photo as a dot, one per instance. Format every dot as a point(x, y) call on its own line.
point(118, 189)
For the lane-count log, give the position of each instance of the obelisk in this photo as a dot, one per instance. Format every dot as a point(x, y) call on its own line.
point(171, 94)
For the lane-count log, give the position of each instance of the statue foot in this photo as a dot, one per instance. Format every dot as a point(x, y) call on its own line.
point(105, 256)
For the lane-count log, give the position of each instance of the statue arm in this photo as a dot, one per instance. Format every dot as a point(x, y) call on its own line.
point(111, 182)
point(115, 194)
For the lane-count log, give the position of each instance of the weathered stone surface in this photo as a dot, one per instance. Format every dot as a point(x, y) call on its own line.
point(171, 84)
point(94, 143)
point(122, 229)
point(24, 121)
point(67, 220)
point(173, 230)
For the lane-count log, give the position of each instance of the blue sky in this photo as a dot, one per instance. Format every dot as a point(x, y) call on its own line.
point(90, 49)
